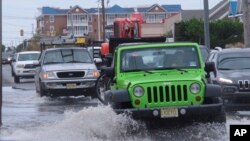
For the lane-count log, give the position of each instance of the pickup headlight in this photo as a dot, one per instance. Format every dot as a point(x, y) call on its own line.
point(48, 75)
point(224, 80)
point(93, 73)
point(195, 88)
point(20, 65)
point(138, 91)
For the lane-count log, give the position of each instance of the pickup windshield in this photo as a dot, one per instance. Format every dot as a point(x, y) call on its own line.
point(67, 56)
point(159, 58)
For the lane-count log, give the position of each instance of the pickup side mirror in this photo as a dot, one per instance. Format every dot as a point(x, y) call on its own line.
point(36, 63)
point(210, 67)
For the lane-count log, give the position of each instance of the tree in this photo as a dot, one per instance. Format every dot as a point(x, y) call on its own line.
point(3, 48)
point(222, 32)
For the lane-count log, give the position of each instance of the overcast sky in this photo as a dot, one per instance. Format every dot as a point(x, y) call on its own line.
point(21, 14)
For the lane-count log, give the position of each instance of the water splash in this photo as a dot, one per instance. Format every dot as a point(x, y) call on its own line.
point(93, 123)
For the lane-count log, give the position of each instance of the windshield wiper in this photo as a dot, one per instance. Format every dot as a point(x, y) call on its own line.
point(171, 68)
point(53, 63)
point(77, 62)
point(139, 70)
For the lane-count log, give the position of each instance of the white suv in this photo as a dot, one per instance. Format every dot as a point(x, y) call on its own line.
point(23, 65)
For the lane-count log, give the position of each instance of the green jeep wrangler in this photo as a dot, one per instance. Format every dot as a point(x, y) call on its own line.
point(162, 80)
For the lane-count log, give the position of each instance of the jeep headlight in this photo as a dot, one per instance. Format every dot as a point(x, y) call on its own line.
point(224, 80)
point(195, 88)
point(93, 73)
point(20, 65)
point(138, 91)
point(48, 75)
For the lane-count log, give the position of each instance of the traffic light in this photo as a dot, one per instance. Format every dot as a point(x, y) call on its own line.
point(21, 32)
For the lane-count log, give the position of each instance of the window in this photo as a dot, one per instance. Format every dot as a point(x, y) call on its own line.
point(90, 28)
point(51, 19)
point(27, 57)
point(110, 19)
point(51, 28)
point(90, 18)
point(150, 18)
point(159, 58)
point(67, 56)
point(160, 17)
point(83, 18)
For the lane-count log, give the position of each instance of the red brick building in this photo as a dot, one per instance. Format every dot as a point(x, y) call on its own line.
point(78, 21)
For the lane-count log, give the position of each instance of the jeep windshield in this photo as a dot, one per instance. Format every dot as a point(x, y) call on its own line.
point(159, 58)
point(67, 56)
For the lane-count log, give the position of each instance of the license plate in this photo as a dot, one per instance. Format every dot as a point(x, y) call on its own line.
point(71, 86)
point(169, 112)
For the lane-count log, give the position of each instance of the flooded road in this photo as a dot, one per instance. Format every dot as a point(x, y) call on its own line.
point(28, 117)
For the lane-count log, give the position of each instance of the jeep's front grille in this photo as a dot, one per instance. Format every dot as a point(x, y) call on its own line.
point(70, 74)
point(243, 85)
point(163, 94)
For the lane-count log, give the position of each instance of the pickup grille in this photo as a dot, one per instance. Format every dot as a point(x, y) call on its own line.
point(165, 94)
point(70, 74)
point(29, 66)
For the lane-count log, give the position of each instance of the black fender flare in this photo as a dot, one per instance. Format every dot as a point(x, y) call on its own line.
point(213, 90)
point(111, 96)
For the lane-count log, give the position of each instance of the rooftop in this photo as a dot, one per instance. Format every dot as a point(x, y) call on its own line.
point(114, 9)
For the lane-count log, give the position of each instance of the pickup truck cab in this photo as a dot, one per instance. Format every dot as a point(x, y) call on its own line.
point(162, 80)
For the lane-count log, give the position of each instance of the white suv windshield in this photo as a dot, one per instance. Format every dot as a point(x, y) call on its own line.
point(159, 58)
point(28, 57)
point(67, 56)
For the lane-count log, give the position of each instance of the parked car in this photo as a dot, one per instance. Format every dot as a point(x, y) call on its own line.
point(68, 71)
point(233, 74)
point(22, 65)
point(6, 58)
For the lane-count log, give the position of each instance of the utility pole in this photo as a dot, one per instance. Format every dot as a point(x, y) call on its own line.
point(103, 21)
point(1, 90)
point(245, 6)
point(206, 24)
point(99, 26)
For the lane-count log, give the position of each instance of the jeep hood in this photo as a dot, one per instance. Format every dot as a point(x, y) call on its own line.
point(69, 66)
point(148, 78)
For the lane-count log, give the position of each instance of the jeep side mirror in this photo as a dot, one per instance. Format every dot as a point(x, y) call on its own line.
point(210, 67)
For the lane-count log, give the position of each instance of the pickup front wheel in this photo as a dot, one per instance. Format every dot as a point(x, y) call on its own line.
point(16, 79)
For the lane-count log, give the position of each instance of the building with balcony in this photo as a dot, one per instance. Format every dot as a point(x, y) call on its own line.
point(78, 21)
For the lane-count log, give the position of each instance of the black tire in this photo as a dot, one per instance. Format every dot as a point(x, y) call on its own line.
point(91, 92)
point(41, 91)
point(12, 72)
point(102, 85)
point(16, 79)
point(220, 117)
